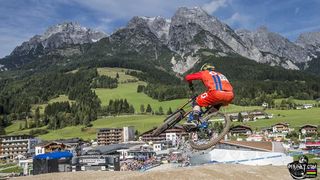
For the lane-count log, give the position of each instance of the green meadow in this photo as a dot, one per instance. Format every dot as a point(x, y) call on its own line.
point(143, 122)
point(112, 72)
point(295, 118)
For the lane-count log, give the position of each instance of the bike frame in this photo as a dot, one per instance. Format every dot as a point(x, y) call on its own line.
point(188, 112)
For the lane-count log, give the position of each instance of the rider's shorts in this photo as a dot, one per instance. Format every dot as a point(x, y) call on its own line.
point(214, 97)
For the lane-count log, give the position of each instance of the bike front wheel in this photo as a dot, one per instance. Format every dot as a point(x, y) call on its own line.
point(203, 139)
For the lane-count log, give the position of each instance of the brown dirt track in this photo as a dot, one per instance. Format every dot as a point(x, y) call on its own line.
point(221, 171)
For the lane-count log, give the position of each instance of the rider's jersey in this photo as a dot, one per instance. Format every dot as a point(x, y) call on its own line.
point(212, 80)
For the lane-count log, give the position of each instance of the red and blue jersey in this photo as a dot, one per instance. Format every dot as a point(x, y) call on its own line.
point(212, 80)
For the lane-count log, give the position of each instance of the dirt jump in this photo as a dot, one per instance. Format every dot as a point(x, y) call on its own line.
point(217, 171)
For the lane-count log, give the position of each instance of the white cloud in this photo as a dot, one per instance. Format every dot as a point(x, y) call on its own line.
point(238, 19)
point(214, 5)
point(124, 9)
point(298, 31)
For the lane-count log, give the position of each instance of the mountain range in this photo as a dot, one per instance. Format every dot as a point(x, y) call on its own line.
point(176, 44)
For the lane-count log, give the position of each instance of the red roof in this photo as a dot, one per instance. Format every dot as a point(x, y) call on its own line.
point(312, 143)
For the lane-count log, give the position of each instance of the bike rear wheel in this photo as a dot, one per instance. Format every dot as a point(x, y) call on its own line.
point(203, 144)
point(172, 120)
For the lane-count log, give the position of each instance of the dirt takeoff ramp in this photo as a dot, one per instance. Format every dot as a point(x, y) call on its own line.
point(221, 171)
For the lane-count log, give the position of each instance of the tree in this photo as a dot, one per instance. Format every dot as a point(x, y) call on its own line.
point(140, 88)
point(149, 109)
point(131, 109)
point(218, 127)
point(240, 117)
point(161, 111)
point(169, 112)
point(37, 117)
point(20, 126)
point(117, 76)
point(142, 108)
point(26, 124)
point(2, 130)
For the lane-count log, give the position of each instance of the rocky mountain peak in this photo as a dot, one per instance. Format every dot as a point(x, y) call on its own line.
point(310, 41)
point(58, 36)
point(273, 43)
point(159, 26)
point(188, 22)
point(192, 13)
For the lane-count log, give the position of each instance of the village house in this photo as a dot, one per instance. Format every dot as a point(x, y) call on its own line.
point(240, 130)
point(171, 135)
point(250, 116)
point(277, 132)
point(280, 128)
point(307, 106)
point(235, 116)
point(71, 145)
point(265, 105)
point(54, 146)
point(259, 115)
point(309, 129)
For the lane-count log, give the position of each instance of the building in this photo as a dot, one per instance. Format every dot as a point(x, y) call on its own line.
point(280, 128)
point(106, 136)
point(309, 129)
point(255, 137)
point(259, 115)
point(52, 162)
point(53, 146)
point(157, 147)
point(312, 145)
point(240, 130)
point(235, 116)
point(26, 165)
point(96, 162)
point(143, 152)
point(15, 145)
point(265, 105)
point(250, 116)
point(307, 106)
point(172, 135)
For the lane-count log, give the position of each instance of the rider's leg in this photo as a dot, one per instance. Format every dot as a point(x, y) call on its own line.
point(196, 112)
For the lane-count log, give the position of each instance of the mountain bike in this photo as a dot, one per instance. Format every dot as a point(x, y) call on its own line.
point(202, 133)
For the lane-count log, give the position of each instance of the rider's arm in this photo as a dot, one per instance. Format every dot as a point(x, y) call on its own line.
point(194, 76)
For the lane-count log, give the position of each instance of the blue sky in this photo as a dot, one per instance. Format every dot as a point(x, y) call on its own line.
point(21, 19)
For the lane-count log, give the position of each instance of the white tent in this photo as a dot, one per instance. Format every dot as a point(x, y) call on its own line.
point(249, 157)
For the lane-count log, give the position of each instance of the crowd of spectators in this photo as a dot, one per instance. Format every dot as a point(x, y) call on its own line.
point(136, 165)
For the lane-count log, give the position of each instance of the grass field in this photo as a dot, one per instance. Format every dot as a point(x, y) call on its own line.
point(141, 123)
point(14, 128)
point(60, 98)
point(297, 101)
point(112, 72)
point(129, 91)
point(295, 118)
point(12, 169)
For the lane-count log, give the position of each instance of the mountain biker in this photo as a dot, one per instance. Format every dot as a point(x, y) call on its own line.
point(219, 90)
